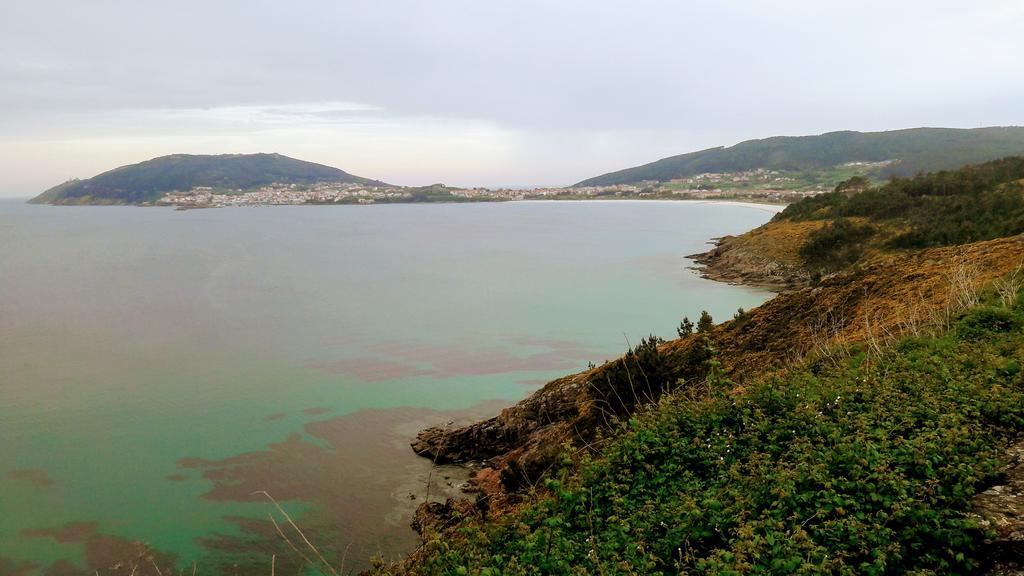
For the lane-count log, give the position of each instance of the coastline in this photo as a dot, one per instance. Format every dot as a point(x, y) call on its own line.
point(774, 207)
point(518, 441)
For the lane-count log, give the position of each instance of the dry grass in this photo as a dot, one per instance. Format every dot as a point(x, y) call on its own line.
point(779, 241)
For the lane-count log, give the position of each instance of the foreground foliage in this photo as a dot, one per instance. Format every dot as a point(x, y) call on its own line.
point(859, 467)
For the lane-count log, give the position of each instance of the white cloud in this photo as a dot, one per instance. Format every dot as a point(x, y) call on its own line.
point(484, 92)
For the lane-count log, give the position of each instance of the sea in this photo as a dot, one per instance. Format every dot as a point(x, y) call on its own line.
point(180, 388)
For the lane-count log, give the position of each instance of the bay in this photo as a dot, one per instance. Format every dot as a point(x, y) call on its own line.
point(159, 368)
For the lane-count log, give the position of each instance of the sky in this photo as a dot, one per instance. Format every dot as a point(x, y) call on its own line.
point(482, 93)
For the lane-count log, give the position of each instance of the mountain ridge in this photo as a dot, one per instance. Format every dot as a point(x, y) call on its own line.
point(149, 180)
point(913, 150)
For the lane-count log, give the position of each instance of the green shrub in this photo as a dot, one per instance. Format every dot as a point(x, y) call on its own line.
point(836, 245)
point(982, 320)
point(639, 377)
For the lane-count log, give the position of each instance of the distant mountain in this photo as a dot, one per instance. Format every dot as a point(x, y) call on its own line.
point(913, 150)
point(148, 181)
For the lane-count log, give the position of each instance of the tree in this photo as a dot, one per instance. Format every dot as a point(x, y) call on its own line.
point(685, 327)
point(853, 186)
point(705, 324)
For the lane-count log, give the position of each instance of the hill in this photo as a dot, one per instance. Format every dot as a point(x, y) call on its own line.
point(911, 151)
point(858, 221)
point(148, 181)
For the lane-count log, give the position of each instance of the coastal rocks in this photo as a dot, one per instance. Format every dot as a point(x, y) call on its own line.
point(1001, 509)
point(506, 431)
point(475, 442)
point(730, 261)
point(434, 517)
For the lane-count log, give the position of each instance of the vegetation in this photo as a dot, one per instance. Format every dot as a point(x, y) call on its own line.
point(432, 193)
point(836, 245)
point(915, 150)
point(685, 327)
point(148, 181)
point(945, 208)
point(705, 324)
point(863, 466)
point(635, 379)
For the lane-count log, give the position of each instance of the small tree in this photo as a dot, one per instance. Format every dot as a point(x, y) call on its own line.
point(705, 324)
point(685, 327)
point(741, 317)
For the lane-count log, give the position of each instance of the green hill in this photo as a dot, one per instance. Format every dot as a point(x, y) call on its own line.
point(912, 151)
point(860, 221)
point(148, 181)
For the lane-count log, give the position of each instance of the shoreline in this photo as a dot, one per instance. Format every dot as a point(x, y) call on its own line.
point(774, 207)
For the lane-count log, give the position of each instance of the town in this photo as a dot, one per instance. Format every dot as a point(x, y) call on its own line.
point(757, 186)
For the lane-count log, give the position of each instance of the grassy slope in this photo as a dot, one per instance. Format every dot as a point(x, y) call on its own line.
point(917, 149)
point(149, 180)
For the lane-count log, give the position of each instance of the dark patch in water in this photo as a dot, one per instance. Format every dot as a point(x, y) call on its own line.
point(275, 416)
point(11, 567)
point(357, 473)
point(371, 369)
point(251, 552)
point(103, 552)
point(175, 477)
point(412, 359)
point(33, 476)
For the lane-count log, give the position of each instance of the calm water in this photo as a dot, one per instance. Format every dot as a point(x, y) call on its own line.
point(158, 367)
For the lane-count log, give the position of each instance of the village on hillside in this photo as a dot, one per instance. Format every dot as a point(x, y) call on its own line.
point(756, 185)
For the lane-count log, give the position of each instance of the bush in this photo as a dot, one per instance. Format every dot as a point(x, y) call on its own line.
point(639, 377)
point(836, 245)
point(981, 321)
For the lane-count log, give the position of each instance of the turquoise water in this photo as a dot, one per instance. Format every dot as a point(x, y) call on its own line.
point(157, 367)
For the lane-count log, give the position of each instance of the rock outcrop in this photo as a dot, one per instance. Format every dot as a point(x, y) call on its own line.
point(1001, 509)
point(732, 262)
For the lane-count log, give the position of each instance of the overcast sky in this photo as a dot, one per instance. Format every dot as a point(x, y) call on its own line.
point(483, 92)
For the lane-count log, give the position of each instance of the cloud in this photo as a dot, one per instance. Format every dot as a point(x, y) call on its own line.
point(646, 78)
